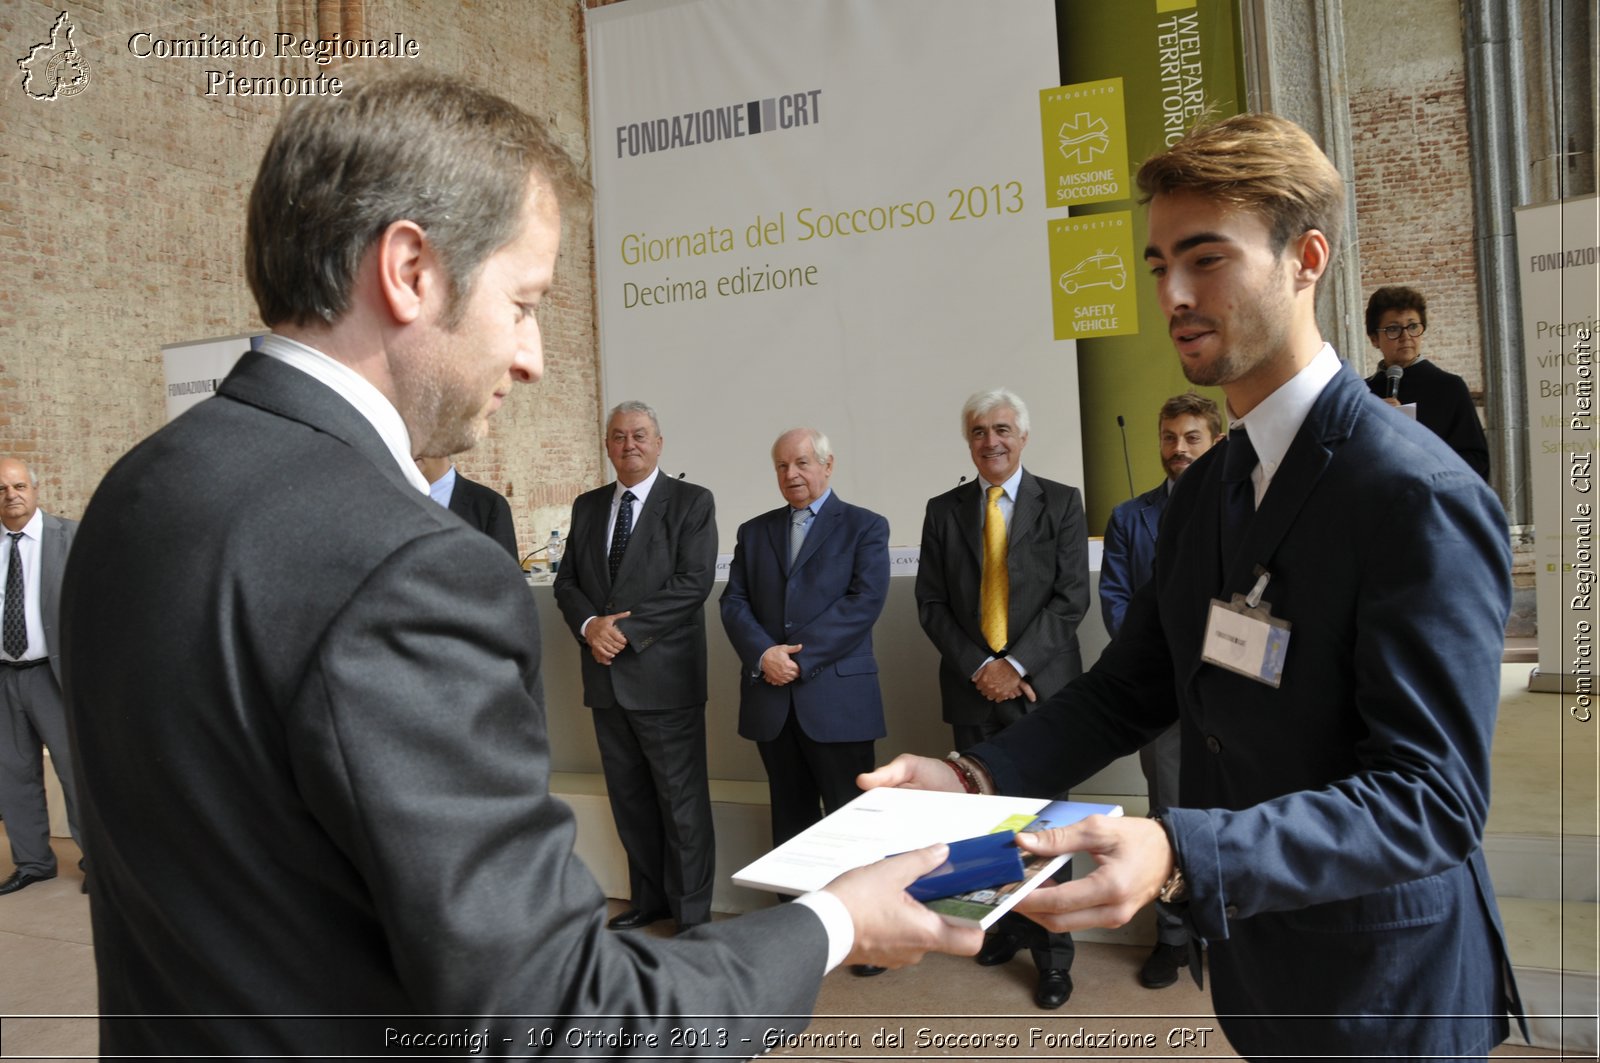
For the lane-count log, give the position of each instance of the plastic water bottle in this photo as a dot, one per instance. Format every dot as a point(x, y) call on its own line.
point(554, 549)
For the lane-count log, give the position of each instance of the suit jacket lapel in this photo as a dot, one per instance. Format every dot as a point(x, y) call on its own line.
point(778, 535)
point(599, 542)
point(1028, 508)
point(650, 519)
point(1150, 515)
point(1329, 422)
point(969, 518)
point(822, 526)
point(51, 560)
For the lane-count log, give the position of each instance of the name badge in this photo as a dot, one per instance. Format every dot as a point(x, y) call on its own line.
point(1243, 636)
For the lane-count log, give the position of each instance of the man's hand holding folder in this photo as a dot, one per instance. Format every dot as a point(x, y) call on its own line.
point(1134, 856)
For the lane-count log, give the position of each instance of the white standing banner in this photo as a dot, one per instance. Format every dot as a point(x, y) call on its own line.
point(828, 213)
point(1557, 247)
point(195, 368)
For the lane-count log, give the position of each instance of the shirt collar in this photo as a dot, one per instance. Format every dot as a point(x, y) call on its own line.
point(815, 507)
point(442, 489)
point(1275, 420)
point(358, 391)
point(31, 530)
point(640, 490)
point(1011, 486)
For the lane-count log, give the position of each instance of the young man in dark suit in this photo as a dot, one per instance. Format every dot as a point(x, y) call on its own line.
point(807, 582)
point(1002, 583)
point(632, 586)
point(1336, 712)
point(1187, 426)
point(307, 700)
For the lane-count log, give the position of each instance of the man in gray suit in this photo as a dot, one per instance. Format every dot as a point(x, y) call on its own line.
point(32, 718)
point(640, 562)
point(1002, 583)
point(312, 740)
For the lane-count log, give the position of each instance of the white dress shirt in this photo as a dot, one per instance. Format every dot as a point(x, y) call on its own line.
point(1272, 425)
point(30, 546)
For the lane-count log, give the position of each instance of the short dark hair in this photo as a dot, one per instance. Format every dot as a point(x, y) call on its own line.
point(1395, 297)
point(339, 170)
point(1192, 404)
point(1259, 162)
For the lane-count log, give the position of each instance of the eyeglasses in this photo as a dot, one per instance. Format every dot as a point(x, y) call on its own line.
point(1415, 329)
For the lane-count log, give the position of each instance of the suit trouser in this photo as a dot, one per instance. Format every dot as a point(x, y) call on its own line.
point(33, 719)
point(1158, 759)
point(1049, 949)
point(805, 776)
point(655, 767)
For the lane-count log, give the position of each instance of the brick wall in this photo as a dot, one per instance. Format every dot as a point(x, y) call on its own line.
point(122, 215)
point(1408, 119)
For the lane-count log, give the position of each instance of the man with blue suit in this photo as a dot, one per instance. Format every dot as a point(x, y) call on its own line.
point(1325, 623)
point(807, 583)
point(1188, 426)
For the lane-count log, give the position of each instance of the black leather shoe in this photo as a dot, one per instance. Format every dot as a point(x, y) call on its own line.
point(998, 948)
point(1161, 969)
point(21, 880)
point(1055, 986)
point(634, 918)
point(866, 970)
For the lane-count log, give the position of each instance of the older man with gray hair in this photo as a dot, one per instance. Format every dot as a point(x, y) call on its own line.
point(632, 587)
point(32, 715)
point(807, 583)
point(1002, 584)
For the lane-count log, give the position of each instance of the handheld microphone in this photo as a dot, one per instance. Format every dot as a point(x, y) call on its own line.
point(1127, 462)
point(1394, 373)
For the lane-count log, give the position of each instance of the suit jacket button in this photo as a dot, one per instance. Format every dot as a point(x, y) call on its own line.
point(1231, 911)
point(1212, 744)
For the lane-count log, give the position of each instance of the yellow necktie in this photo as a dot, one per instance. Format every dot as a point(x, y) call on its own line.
point(995, 599)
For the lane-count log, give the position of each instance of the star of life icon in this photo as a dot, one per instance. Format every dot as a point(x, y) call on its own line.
point(54, 69)
point(1083, 138)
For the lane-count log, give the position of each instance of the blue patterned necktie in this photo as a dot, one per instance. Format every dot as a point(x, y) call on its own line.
point(621, 532)
point(15, 641)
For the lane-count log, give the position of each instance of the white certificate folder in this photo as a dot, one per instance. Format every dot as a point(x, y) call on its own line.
point(887, 821)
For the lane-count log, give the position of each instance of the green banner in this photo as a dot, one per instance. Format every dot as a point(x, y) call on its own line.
point(1170, 61)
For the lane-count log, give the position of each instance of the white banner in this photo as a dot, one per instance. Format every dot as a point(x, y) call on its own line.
point(1557, 248)
point(827, 213)
point(194, 369)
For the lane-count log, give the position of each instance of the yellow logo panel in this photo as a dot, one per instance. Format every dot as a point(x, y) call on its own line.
point(1091, 276)
point(1085, 130)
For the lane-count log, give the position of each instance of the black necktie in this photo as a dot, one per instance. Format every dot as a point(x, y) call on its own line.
point(1239, 498)
point(621, 532)
point(15, 640)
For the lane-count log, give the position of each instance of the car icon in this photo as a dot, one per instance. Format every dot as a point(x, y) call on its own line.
point(1102, 269)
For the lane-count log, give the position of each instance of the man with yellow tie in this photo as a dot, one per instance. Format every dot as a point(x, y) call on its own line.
point(1002, 583)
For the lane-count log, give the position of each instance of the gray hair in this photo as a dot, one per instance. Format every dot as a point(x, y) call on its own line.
point(821, 449)
point(634, 406)
point(984, 401)
point(33, 477)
